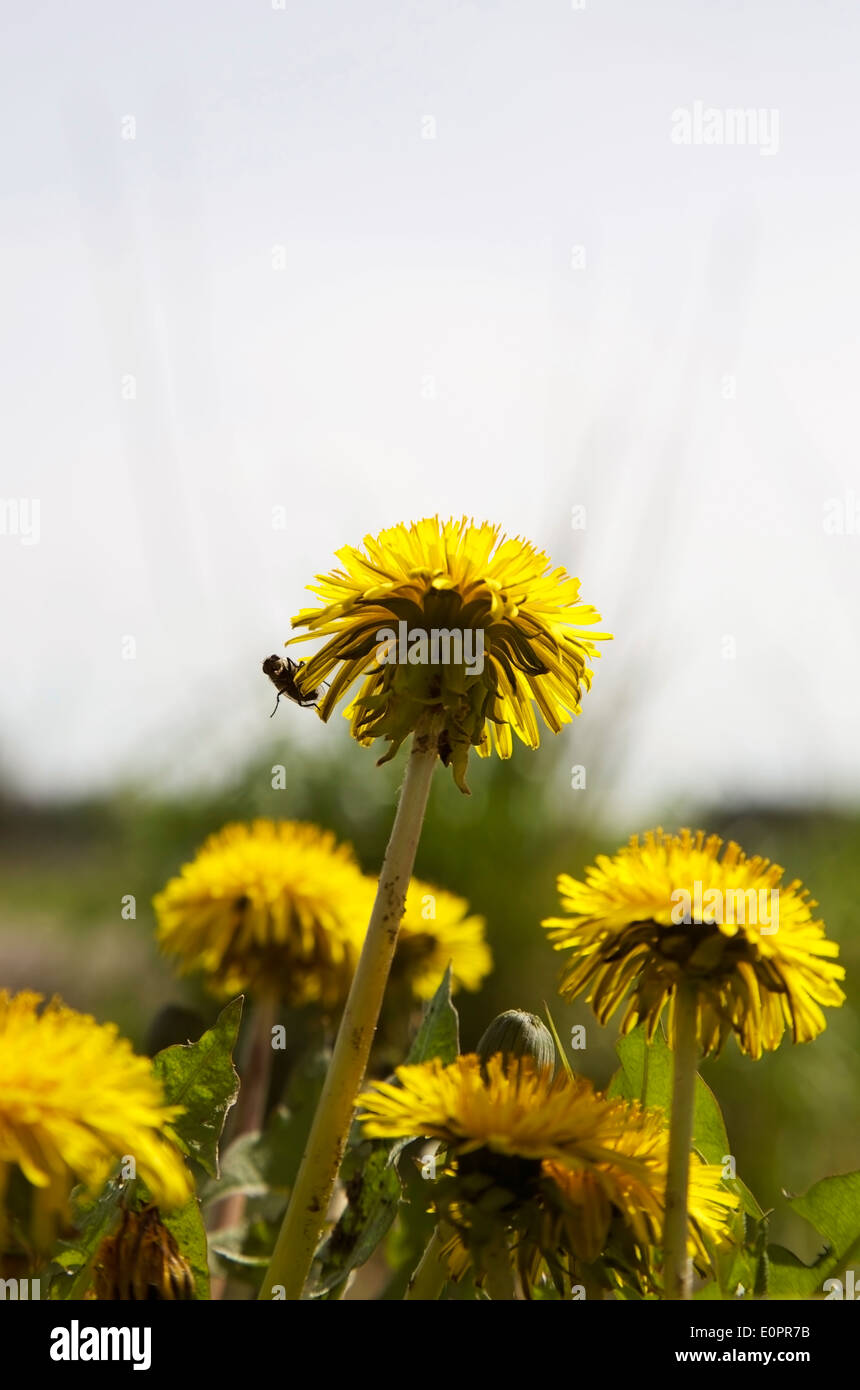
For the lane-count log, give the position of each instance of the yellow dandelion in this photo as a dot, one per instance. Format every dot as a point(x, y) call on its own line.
point(668, 910)
point(437, 927)
point(280, 907)
point(273, 907)
point(453, 617)
point(528, 1112)
point(593, 1196)
point(546, 1155)
point(75, 1100)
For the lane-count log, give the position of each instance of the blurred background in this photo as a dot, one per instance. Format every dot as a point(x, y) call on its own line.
point(275, 277)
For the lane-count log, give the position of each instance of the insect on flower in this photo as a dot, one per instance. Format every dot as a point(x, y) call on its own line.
point(282, 672)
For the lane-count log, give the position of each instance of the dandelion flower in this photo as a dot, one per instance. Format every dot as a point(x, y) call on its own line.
point(451, 616)
point(273, 907)
point(668, 909)
point(75, 1100)
point(280, 907)
point(547, 1157)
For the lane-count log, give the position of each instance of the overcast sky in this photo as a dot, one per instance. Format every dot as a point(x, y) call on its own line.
point(370, 262)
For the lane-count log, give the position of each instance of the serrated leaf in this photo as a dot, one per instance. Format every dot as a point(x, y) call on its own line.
point(200, 1076)
point(439, 1034)
point(832, 1207)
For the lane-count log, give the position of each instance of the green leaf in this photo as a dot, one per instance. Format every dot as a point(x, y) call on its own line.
point(94, 1221)
point(255, 1164)
point(234, 1255)
point(646, 1075)
point(749, 1203)
point(201, 1078)
point(186, 1226)
point(742, 1270)
point(560, 1052)
point(439, 1034)
point(832, 1206)
point(789, 1276)
point(373, 1194)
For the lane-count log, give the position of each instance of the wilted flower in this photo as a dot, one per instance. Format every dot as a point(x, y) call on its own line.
point(668, 909)
point(454, 617)
point(141, 1262)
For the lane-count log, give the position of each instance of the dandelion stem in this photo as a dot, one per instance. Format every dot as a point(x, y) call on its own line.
point(257, 1070)
point(250, 1112)
point(306, 1214)
point(431, 1273)
point(677, 1270)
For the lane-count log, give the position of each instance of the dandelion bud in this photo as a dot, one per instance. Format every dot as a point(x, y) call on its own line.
point(518, 1034)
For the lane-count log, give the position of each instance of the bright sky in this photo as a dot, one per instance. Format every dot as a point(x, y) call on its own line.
point(283, 293)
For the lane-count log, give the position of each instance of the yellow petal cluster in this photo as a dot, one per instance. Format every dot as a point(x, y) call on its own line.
point(592, 1159)
point(671, 907)
point(74, 1100)
point(511, 638)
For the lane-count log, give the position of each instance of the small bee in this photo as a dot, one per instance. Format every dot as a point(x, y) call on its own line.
point(282, 672)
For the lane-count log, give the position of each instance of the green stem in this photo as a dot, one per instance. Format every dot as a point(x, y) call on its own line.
point(306, 1214)
point(676, 1264)
point(257, 1069)
point(431, 1274)
point(250, 1114)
